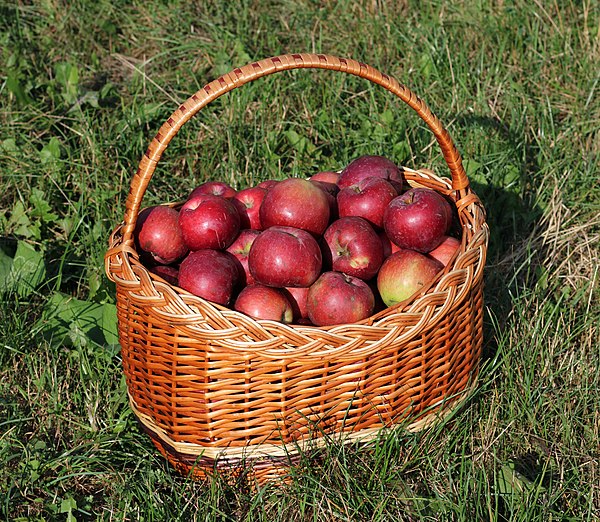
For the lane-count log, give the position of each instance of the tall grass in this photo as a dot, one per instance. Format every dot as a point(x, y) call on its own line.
point(85, 86)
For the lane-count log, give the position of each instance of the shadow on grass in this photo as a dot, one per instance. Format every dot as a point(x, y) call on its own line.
point(512, 216)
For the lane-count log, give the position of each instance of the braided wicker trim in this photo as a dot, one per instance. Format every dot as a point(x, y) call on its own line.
point(227, 330)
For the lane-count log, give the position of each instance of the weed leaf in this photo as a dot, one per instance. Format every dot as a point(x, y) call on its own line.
point(23, 273)
point(20, 224)
point(77, 322)
point(510, 482)
point(51, 151)
point(5, 265)
point(41, 208)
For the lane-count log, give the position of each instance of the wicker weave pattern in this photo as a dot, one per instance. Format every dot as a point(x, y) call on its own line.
point(211, 385)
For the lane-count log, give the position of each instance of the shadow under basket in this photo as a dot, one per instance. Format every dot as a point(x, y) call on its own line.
point(220, 392)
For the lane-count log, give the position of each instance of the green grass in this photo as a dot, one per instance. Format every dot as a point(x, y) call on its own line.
point(84, 86)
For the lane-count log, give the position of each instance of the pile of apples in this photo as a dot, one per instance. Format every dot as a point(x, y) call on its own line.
point(331, 249)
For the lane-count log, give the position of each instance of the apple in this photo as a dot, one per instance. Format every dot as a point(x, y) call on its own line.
point(208, 221)
point(215, 188)
point(331, 192)
point(285, 256)
point(445, 251)
point(337, 298)
point(327, 176)
point(297, 203)
point(268, 183)
point(240, 248)
point(369, 166)
point(157, 232)
point(404, 273)
point(368, 198)
point(297, 296)
point(379, 304)
point(248, 202)
point(169, 273)
point(388, 247)
point(210, 274)
point(418, 219)
point(329, 188)
point(354, 247)
point(264, 302)
point(454, 225)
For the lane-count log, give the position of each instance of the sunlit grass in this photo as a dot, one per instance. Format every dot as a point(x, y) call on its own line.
point(86, 85)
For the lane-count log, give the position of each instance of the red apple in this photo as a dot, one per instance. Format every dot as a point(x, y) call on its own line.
point(403, 274)
point(337, 298)
point(285, 256)
point(240, 248)
point(369, 166)
point(248, 202)
point(208, 221)
point(215, 188)
point(297, 203)
point(417, 219)
point(368, 198)
point(210, 274)
point(445, 251)
point(327, 176)
point(354, 247)
point(388, 247)
point(297, 297)
point(169, 273)
point(329, 188)
point(157, 232)
point(268, 183)
point(264, 302)
point(331, 192)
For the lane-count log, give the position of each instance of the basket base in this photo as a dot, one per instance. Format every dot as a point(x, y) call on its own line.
point(272, 463)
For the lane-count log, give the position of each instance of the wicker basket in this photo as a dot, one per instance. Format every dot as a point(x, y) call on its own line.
point(220, 392)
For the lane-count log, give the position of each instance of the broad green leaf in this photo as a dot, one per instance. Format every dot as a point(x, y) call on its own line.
point(426, 65)
point(89, 98)
point(74, 321)
point(20, 224)
point(23, 273)
point(67, 505)
point(40, 445)
point(512, 177)
point(16, 88)
point(300, 143)
point(401, 152)
point(94, 284)
point(241, 56)
point(67, 75)
point(387, 117)
point(51, 151)
point(41, 208)
point(473, 170)
point(109, 323)
point(5, 267)
point(511, 482)
point(67, 224)
point(9, 145)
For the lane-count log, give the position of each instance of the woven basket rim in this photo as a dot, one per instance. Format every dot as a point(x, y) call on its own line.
point(424, 306)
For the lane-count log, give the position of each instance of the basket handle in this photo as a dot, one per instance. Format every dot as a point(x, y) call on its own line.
point(255, 70)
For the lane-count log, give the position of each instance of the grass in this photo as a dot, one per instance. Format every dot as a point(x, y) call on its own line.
point(84, 87)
